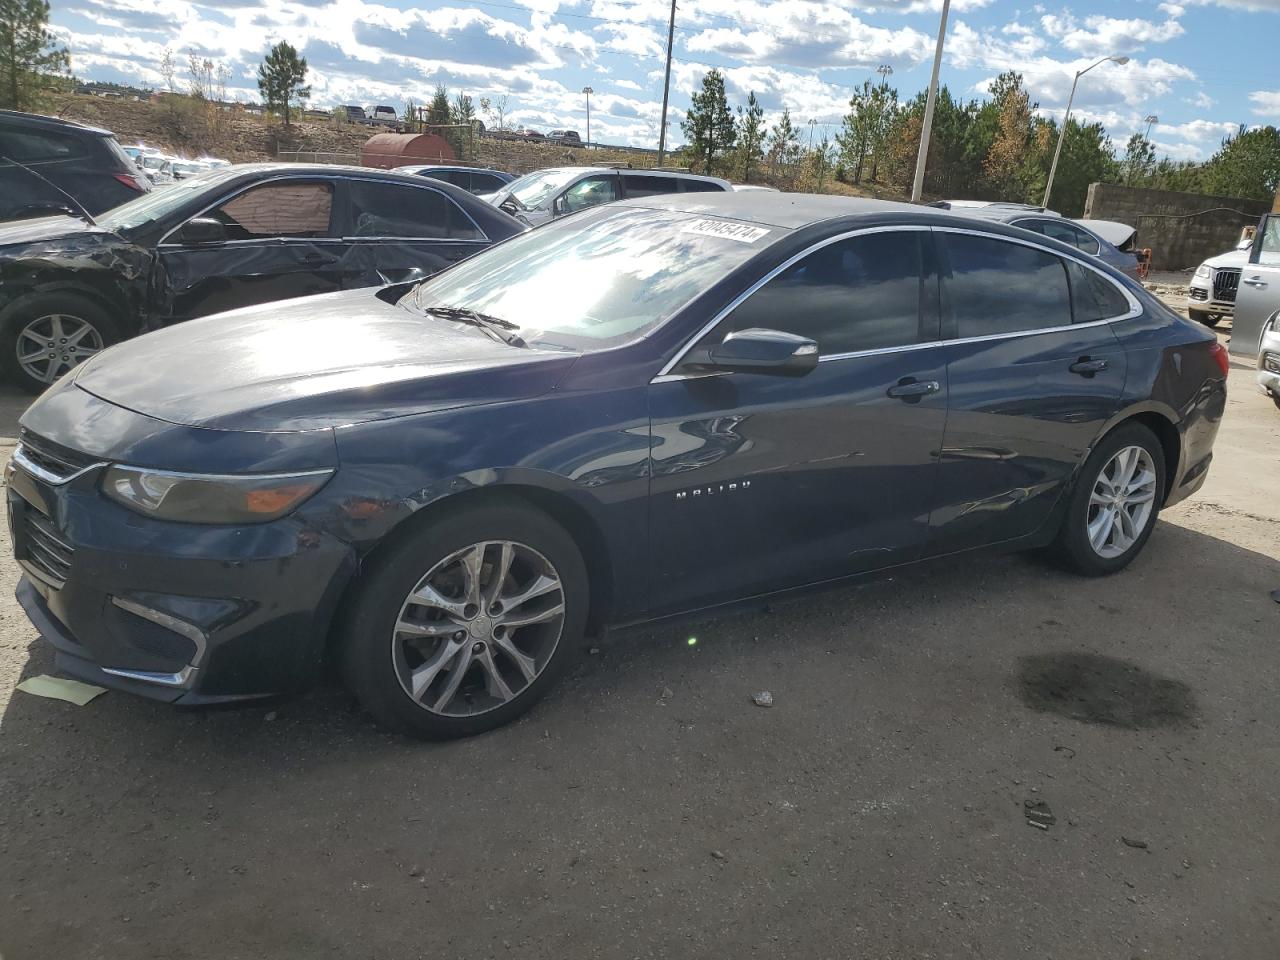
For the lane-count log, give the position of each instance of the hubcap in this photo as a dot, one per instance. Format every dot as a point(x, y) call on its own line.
point(1122, 501)
point(51, 345)
point(478, 628)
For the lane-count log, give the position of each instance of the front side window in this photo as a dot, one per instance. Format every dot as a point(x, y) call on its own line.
point(1269, 247)
point(862, 293)
point(392, 210)
point(590, 192)
point(999, 287)
point(297, 209)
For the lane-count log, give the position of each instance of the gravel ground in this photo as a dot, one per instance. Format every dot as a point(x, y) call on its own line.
point(649, 809)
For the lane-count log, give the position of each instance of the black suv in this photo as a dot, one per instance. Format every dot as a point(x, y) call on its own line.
point(48, 165)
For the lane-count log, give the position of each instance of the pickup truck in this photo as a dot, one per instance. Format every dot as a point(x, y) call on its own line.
point(383, 117)
point(1255, 330)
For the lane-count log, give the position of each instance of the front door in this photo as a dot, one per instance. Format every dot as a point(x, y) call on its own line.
point(762, 482)
point(1259, 294)
point(1034, 372)
point(280, 243)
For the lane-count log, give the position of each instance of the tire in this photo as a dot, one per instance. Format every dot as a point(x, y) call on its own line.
point(1074, 548)
point(1204, 316)
point(383, 663)
point(51, 315)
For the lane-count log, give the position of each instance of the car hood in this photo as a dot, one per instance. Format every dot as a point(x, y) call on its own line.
point(315, 362)
point(41, 229)
point(1232, 258)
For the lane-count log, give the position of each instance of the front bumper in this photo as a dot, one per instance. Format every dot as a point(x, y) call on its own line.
point(1200, 297)
point(176, 612)
point(1269, 363)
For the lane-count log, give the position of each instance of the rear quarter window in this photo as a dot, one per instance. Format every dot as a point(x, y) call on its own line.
point(700, 186)
point(1094, 297)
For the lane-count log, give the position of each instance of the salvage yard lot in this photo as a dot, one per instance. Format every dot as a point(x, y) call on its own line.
point(649, 809)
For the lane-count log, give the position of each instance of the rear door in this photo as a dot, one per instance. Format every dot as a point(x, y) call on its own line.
point(281, 242)
point(1259, 294)
point(397, 232)
point(1034, 372)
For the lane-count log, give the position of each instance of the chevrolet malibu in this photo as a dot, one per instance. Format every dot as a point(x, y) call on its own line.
point(443, 486)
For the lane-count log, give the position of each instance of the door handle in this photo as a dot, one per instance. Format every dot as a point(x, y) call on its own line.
point(317, 259)
point(1087, 367)
point(911, 389)
point(1255, 282)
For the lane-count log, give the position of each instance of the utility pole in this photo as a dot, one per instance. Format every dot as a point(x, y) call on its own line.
point(917, 185)
point(588, 91)
point(812, 123)
point(666, 84)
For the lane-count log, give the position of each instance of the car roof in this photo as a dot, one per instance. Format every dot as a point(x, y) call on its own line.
point(788, 210)
point(417, 167)
point(52, 123)
point(606, 168)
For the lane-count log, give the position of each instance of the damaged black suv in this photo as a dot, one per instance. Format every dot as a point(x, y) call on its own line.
point(230, 238)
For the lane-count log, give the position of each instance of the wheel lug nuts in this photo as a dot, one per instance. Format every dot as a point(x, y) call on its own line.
point(460, 635)
point(477, 647)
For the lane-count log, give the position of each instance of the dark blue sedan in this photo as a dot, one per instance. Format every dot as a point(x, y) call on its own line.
point(644, 409)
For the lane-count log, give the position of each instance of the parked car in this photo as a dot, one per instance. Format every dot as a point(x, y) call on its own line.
point(1211, 295)
point(749, 187)
point(1255, 331)
point(48, 165)
point(545, 194)
point(530, 134)
point(157, 168)
point(477, 180)
point(1050, 224)
point(186, 169)
point(383, 117)
point(568, 138)
point(227, 238)
point(443, 486)
point(356, 114)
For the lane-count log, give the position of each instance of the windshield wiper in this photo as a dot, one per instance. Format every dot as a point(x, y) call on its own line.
point(496, 327)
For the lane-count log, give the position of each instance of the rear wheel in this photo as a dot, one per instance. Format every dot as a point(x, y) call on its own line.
point(1204, 316)
point(1115, 503)
point(45, 335)
point(465, 626)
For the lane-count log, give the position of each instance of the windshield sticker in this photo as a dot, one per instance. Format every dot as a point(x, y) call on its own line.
point(727, 229)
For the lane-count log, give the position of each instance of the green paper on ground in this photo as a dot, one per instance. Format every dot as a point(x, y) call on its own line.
point(58, 688)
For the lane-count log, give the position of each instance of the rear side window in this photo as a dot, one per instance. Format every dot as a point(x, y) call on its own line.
point(1068, 233)
point(485, 183)
point(647, 185)
point(1093, 297)
point(34, 146)
point(700, 186)
point(997, 287)
point(863, 293)
point(279, 210)
point(392, 210)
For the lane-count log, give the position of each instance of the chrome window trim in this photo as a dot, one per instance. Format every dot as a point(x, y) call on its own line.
point(40, 473)
point(1135, 309)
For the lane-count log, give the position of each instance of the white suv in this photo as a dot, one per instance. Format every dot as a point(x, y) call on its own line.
point(544, 195)
point(1213, 287)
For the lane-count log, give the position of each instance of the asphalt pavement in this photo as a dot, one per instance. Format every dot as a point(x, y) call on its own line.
point(985, 757)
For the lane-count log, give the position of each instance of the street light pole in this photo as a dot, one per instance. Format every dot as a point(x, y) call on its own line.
point(588, 91)
point(917, 186)
point(885, 71)
point(812, 123)
point(1150, 119)
point(666, 84)
point(1062, 134)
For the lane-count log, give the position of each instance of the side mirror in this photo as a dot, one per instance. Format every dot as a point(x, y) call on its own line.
point(203, 230)
point(764, 351)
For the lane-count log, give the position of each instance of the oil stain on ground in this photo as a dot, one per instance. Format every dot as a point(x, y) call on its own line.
point(1097, 689)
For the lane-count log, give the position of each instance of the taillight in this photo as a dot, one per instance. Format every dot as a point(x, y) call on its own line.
point(1220, 354)
point(129, 181)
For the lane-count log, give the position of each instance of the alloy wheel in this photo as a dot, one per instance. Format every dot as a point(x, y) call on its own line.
point(478, 629)
point(49, 346)
point(1122, 501)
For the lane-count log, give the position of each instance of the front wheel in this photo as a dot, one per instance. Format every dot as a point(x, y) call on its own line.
point(43, 336)
point(466, 625)
point(1115, 503)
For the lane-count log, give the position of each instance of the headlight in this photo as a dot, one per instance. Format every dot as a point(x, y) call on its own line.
point(1203, 270)
point(208, 498)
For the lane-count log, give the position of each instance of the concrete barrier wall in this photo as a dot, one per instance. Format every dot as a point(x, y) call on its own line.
point(1182, 229)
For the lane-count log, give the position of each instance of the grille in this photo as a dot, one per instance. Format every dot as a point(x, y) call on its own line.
point(41, 546)
point(1225, 283)
point(56, 459)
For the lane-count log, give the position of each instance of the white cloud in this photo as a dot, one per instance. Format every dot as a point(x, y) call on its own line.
point(1266, 103)
point(1108, 34)
point(1199, 131)
point(1201, 100)
point(1180, 151)
point(627, 85)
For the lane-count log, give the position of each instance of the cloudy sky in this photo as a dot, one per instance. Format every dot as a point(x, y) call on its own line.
point(1203, 67)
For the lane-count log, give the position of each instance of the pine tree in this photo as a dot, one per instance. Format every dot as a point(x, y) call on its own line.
point(858, 130)
point(783, 143)
point(750, 135)
point(280, 79)
point(29, 53)
point(438, 111)
point(1139, 159)
point(708, 123)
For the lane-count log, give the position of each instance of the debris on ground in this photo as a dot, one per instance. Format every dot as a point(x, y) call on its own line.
point(1275, 595)
point(1038, 814)
point(59, 688)
point(667, 693)
point(1136, 844)
point(1062, 749)
point(717, 854)
point(271, 715)
point(594, 651)
point(763, 699)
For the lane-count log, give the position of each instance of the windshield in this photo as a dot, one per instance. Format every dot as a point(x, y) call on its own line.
point(159, 203)
point(534, 189)
point(599, 278)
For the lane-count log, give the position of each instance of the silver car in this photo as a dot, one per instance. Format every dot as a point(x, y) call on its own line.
point(1255, 331)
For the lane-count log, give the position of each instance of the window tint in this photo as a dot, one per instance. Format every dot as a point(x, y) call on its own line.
point(391, 210)
point(1093, 297)
point(1085, 240)
point(998, 287)
point(485, 183)
point(862, 293)
point(589, 192)
point(278, 210)
point(647, 185)
point(1068, 233)
point(700, 186)
point(28, 146)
